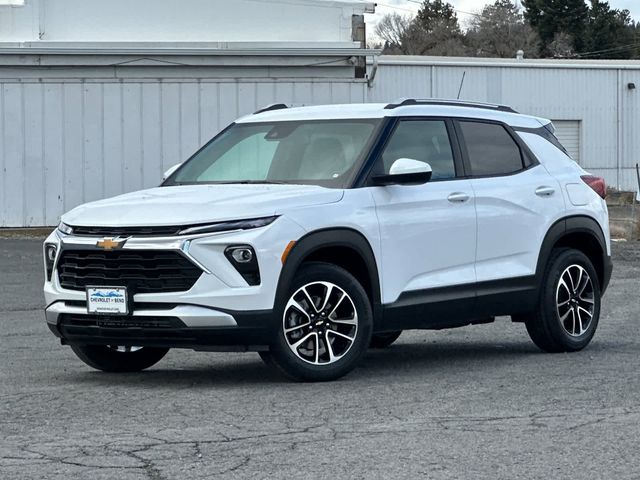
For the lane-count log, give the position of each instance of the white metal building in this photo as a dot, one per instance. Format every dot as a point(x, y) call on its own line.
point(91, 107)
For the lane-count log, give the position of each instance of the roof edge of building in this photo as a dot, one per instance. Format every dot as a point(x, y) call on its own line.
point(410, 60)
point(337, 49)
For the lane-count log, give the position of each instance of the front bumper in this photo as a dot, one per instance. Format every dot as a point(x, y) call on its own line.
point(220, 310)
point(179, 326)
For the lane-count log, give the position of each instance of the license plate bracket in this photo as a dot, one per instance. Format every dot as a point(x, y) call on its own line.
point(107, 300)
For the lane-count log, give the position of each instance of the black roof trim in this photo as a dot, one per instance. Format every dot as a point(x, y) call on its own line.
point(405, 102)
point(274, 106)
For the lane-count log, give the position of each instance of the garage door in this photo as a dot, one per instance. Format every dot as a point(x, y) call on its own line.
point(568, 133)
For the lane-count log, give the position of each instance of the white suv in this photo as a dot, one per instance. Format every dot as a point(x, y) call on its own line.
point(309, 234)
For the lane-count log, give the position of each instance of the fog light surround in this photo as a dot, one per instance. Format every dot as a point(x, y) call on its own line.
point(243, 258)
point(50, 255)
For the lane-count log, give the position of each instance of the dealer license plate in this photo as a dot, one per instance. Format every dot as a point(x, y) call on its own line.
point(107, 300)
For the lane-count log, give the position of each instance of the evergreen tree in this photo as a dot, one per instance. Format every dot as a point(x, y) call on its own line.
point(434, 14)
point(609, 33)
point(436, 30)
point(551, 17)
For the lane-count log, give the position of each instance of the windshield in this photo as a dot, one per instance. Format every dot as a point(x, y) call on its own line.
point(320, 152)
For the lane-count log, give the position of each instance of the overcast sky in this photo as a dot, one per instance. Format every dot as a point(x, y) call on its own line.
point(408, 6)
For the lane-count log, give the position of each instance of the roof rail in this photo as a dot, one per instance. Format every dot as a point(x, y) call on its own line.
point(273, 106)
point(404, 102)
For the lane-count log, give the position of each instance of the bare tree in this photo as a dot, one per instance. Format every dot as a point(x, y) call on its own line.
point(434, 31)
point(392, 30)
point(500, 30)
point(561, 46)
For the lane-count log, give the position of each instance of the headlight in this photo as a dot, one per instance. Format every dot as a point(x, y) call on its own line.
point(227, 226)
point(64, 228)
point(50, 253)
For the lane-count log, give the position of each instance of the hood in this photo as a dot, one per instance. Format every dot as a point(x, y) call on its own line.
point(194, 204)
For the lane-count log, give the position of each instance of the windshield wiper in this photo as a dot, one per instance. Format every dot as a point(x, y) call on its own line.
point(258, 182)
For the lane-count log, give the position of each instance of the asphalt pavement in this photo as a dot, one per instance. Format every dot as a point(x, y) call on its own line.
point(477, 402)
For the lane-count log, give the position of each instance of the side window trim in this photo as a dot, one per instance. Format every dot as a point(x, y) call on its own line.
point(528, 159)
point(460, 171)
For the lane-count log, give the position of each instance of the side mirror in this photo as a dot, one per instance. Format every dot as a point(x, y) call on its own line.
point(170, 171)
point(405, 171)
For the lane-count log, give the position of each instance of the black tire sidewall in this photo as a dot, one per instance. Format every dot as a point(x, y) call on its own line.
point(102, 357)
point(563, 260)
point(295, 367)
point(384, 340)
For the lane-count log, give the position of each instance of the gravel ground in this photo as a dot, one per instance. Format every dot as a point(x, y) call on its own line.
point(478, 402)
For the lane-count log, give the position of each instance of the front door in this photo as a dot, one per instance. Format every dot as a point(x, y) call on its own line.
point(428, 232)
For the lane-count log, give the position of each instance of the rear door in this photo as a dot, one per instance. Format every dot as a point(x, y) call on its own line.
point(516, 201)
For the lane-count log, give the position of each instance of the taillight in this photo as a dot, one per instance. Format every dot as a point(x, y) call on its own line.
point(597, 184)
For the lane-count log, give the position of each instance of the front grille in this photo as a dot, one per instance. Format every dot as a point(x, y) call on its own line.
point(141, 271)
point(129, 231)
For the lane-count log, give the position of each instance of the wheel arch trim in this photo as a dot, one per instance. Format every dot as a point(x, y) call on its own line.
point(567, 226)
point(326, 238)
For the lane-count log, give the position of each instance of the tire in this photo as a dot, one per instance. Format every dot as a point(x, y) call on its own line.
point(324, 339)
point(384, 340)
point(567, 317)
point(113, 359)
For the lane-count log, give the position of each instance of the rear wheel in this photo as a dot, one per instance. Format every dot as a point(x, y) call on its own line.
point(384, 340)
point(324, 325)
point(119, 359)
point(569, 309)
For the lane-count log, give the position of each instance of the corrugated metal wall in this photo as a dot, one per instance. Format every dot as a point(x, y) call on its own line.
point(568, 133)
point(70, 134)
point(64, 143)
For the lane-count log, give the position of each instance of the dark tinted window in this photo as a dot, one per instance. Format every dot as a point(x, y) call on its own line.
point(492, 151)
point(423, 140)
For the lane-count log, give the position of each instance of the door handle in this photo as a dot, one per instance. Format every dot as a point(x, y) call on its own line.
point(545, 191)
point(458, 197)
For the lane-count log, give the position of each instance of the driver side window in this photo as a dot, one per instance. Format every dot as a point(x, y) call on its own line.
point(423, 140)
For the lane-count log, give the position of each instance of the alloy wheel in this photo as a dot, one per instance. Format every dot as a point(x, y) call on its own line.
point(320, 323)
point(575, 300)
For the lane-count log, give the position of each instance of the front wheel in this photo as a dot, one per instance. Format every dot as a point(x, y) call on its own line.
point(119, 359)
point(569, 307)
point(324, 325)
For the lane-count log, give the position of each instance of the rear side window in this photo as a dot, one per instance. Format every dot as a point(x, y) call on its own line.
point(491, 150)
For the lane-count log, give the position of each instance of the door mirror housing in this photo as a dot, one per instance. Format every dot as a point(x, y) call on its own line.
point(405, 171)
point(170, 171)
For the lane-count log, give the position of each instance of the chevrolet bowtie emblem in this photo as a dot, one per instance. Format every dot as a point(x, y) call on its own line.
point(110, 243)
